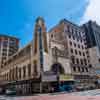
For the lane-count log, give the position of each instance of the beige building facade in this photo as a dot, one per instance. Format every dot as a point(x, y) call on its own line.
point(74, 39)
point(49, 61)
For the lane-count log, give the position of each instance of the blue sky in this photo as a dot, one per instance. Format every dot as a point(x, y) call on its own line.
point(17, 17)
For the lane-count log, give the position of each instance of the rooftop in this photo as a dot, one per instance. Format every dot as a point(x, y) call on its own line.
point(8, 36)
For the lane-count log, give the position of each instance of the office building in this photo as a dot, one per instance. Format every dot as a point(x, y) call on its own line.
point(8, 46)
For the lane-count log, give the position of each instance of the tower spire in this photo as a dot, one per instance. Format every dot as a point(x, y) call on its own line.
point(40, 33)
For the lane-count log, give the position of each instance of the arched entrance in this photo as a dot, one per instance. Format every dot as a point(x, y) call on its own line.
point(57, 68)
point(60, 85)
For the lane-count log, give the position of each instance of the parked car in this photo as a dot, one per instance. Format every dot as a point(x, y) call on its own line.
point(79, 88)
point(67, 88)
point(10, 92)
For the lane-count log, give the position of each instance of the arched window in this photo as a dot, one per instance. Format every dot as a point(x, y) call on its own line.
point(19, 73)
point(24, 71)
point(29, 70)
point(35, 67)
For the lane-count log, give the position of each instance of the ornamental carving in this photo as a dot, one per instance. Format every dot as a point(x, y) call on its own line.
point(59, 53)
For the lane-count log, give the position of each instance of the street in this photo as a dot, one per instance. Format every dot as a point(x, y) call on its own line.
point(85, 95)
point(7, 98)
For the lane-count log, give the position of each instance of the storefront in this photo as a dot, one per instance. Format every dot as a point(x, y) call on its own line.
point(66, 83)
point(84, 82)
point(49, 83)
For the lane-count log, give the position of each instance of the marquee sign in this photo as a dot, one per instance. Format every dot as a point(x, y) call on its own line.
point(66, 78)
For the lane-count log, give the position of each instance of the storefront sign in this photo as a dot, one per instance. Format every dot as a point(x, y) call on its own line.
point(66, 78)
point(49, 78)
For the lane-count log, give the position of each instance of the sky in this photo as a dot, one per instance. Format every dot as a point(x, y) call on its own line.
point(17, 17)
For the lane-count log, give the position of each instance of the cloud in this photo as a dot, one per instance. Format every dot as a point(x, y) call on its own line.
point(92, 11)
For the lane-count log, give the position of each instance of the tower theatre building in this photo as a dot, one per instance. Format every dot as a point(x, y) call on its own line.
point(51, 61)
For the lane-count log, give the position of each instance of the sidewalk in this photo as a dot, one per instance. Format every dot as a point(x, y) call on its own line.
point(61, 97)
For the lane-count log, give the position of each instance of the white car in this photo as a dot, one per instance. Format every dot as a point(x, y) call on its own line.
point(10, 92)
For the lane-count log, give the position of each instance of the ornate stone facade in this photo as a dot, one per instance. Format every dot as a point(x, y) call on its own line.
point(45, 62)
